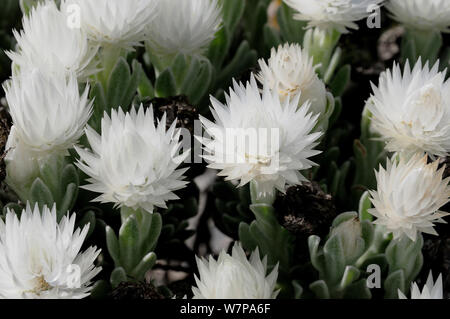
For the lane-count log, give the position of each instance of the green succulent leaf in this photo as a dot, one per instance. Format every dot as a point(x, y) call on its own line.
point(358, 290)
point(179, 68)
point(246, 237)
point(112, 243)
point(218, 48)
point(341, 218)
point(341, 80)
point(351, 274)
point(313, 244)
point(128, 241)
point(41, 194)
point(393, 283)
point(335, 263)
point(153, 233)
point(320, 289)
point(197, 80)
point(144, 265)
point(232, 11)
point(406, 255)
point(298, 289)
point(118, 275)
point(119, 79)
point(273, 240)
point(97, 94)
point(364, 205)
point(165, 84)
point(69, 199)
point(244, 58)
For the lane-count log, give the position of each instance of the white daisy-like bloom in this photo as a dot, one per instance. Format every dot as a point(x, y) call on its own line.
point(118, 23)
point(426, 15)
point(411, 111)
point(184, 26)
point(333, 14)
point(134, 163)
point(40, 258)
point(290, 71)
point(49, 43)
point(47, 111)
point(235, 277)
point(259, 138)
point(409, 195)
point(431, 290)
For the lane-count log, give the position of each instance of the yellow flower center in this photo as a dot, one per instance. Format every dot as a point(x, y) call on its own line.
point(40, 285)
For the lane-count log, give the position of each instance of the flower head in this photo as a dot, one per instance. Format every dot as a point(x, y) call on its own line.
point(426, 15)
point(431, 290)
point(184, 26)
point(235, 277)
point(47, 111)
point(49, 43)
point(114, 22)
point(21, 163)
point(328, 14)
point(350, 233)
point(409, 195)
point(133, 163)
point(258, 138)
point(290, 71)
point(411, 112)
point(40, 258)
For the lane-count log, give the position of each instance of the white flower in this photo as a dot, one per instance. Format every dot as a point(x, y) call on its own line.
point(290, 71)
point(47, 111)
point(423, 15)
point(258, 138)
point(409, 195)
point(184, 26)
point(48, 42)
point(21, 164)
point(120, 23)
point(133, 162)
point(431, 290)
point(328, 14)
point(40, 258)
point(235, 277)
point(411, 112)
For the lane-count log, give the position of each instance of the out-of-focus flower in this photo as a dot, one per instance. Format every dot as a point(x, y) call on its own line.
point(235, 277)
point(49, 43)
point(426, 15)
point(258, 138)
point(289, 72)
point(350, 232)
point(411, 112)
point(40, 258)
point(134, 163)
point(114, 22)
point(409, 195)
point(333, 14)
point(272, 12)
point(184, 26)
point(431, 290)
point(48, 113)
point(21, 164)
